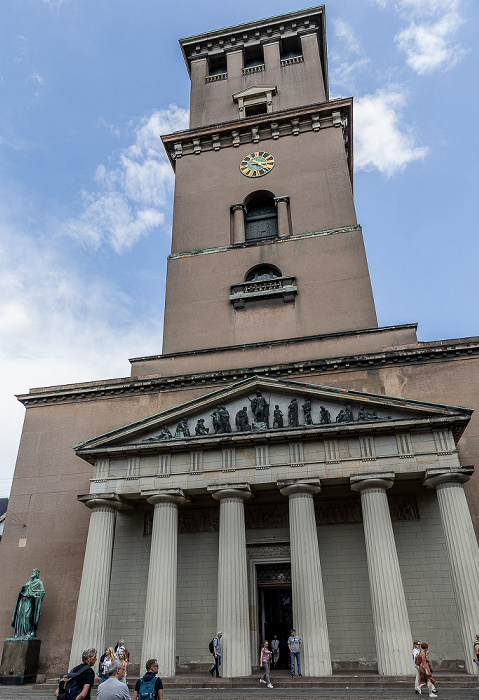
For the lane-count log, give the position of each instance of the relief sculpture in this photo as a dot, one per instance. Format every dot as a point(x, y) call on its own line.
point(277, 516)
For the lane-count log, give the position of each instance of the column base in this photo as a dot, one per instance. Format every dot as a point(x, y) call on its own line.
point(20, 661)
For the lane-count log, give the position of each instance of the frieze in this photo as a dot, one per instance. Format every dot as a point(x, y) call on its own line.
point(337, 512)
point(256, 417)
point(254, 551)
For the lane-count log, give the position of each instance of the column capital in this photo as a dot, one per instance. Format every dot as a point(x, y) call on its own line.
point(291, 486)
point(378, 480)
point(172, 495)
point(284, 199)
point(103, 500)
point(238, 207)
point(437, 476)
point(221, 491)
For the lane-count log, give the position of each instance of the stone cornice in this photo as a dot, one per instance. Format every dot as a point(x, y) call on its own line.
point(234, 38)
point(272, 241)
point(232, 134)
point(424, 353)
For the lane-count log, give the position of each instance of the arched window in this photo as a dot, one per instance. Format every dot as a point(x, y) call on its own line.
point(261, 218)
point(262, 272)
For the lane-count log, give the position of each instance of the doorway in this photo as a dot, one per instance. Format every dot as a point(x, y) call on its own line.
point(275, 606)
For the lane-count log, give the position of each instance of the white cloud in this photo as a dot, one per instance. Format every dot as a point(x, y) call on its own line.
point(428, 40)
point(132, 195)
point(58, 326)
point(345, 74)
point(381, 141)
point(429, 45)
point(36, 78)
point(344, 31)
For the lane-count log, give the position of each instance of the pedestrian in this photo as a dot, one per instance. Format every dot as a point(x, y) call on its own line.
point(124, 663)
point(150, 682)
point(107, 662)
point(113, 688)
point(217, 654)
point(425, 673)
point(275, 649)
point(120, 646)
point(265, 655)
point(294, 646)
point(416, 648)
point(100, 663)
point(476, 654)
point(86, 678)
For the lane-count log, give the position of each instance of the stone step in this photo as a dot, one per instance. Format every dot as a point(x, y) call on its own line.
point(280, 679)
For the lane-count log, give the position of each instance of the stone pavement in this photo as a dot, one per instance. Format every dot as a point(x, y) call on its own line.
point(39, 692)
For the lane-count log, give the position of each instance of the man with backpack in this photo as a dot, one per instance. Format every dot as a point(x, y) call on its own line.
point(215, 648)
point(149, 687)
point(77, 684)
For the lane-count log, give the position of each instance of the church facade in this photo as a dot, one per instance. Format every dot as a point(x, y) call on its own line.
point(285, 461)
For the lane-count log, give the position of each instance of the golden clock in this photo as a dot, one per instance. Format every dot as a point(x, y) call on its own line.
point(257, 164)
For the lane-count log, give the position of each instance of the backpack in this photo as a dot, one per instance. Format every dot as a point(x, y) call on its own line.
point(211, 646)
point(147, 689)
point(68, 687)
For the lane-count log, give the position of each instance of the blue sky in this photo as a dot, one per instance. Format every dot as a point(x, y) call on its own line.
point(87, 87)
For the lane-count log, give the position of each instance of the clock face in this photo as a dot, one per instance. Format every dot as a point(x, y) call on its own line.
point(257, 164)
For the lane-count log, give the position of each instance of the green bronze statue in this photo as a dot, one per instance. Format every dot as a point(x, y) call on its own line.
point(27, 608)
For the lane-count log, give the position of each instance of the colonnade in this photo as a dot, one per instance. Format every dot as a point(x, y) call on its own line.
point(390, 616)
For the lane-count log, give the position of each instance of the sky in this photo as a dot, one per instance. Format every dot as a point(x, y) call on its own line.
point(86, 89)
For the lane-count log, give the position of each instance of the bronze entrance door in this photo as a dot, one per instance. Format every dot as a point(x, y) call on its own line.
point(275, 606)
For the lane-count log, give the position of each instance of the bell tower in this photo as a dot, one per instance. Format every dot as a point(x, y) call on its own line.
point(265, 241)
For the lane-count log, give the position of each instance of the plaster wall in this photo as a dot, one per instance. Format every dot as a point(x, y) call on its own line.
point(310, 168)
point(334, 293)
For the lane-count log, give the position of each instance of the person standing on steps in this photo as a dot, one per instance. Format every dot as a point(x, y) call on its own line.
point(265, 655)
point(294, 646)
point(217, 654)
point(416, 648)
point(425, 674)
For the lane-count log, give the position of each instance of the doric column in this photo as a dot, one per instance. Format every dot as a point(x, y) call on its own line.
point(159, 631)
point(462, 549)
point(309, 612)
point(90, 621)
point(233, 613)
point(238, 223)
point(283, 218)
point(390, 617)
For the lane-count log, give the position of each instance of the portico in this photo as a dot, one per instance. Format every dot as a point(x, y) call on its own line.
point(275, 496)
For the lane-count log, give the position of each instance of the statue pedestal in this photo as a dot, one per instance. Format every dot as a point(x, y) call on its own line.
point(20, 661)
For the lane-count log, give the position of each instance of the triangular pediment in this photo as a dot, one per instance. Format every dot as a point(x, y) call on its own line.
point(277, 409)
point(254, 91)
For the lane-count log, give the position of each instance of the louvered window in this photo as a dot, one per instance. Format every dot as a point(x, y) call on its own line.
point(261, 220)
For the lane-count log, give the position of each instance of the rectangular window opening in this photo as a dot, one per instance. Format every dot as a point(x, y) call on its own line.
point(291, 47)
point(253, 56)
point(255, 110)
point(217, 64)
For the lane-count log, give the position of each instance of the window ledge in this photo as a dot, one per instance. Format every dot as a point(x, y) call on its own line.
point(253, 69)
point(261, 289)
point(214, 78)
point(293, 59)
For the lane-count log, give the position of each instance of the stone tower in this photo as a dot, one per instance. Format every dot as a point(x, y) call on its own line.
point(264, 225)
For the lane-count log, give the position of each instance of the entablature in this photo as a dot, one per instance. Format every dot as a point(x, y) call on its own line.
point(291, 122)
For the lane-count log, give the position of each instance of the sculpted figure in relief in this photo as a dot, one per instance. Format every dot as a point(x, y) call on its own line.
point(241, 420)
point(277, 417)
point(182, 429)
point(293, 414)
point(325, 416)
